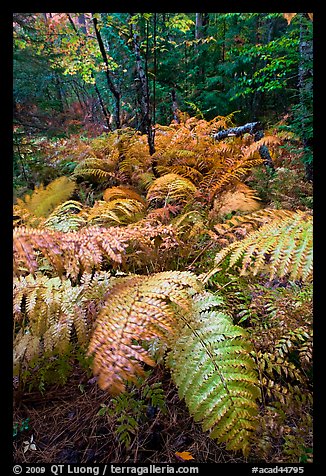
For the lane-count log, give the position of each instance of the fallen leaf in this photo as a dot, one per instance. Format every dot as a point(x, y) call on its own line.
point(184, 455)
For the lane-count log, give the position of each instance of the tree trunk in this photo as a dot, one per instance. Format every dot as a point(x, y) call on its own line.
point(146, 123)
point(114, 90)
point(106, 114)
point(199, 26)
point(254, 128)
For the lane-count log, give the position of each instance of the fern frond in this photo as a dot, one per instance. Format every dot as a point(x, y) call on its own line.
point(255, 146)
point(26, 347)
point(232, 170)
point(183, 171)
point(44, 200)
point(214, 372)
point(281, 247)
point(171, 186)
point(116, 212)
point(190, 224)
point(239, 198)
point(68, 216)
point(82, 251)
point(94, 169)
point(52, 310)
point(138, 308)
point(114, 193)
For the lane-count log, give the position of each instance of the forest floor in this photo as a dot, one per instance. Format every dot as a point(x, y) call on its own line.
point(66, 428)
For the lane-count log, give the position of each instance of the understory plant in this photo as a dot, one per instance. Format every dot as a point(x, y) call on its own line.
point(117, 279)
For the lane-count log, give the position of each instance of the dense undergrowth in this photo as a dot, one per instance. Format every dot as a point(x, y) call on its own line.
point(181, 280)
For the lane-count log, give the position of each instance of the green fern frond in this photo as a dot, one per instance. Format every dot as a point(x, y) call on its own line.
point(214, 372)
point(281, 247)
point(171, 186)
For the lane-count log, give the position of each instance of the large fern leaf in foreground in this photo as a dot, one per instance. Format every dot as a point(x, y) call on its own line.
point(214, 372)
point(138, 308)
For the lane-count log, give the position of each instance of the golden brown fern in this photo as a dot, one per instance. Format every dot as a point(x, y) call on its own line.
point(82, 251)
point(93, 169)
point(239, 197)
point(138, 308)
point(122, 191)
point(120, 211)
point(171, 187)
point(209, 356)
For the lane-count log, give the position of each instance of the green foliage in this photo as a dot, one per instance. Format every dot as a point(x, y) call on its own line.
point(211, 355)
point(19, 428)
point(130, 410)
point(281, 247)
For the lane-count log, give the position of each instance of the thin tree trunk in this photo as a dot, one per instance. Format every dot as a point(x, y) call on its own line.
point(146, 124)
point(106, 113)
point(199, 26)
point(114, 90)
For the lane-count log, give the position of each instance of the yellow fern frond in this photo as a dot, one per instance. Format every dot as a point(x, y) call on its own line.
point(44, 200)
point(121, 211)
point(68, 216)
point(171, 187)
point(94, 169)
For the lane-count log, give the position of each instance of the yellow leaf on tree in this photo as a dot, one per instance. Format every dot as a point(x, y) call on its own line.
point(288, 17)
point(185, 455)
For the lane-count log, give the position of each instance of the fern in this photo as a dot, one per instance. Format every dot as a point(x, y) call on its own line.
point(68, 216)
point(281, 247)
point(123, 192)
point(238, 198)
point(82, 251)
point(214, 372)
point(120, 211)
point(94, 169)
point(171, 187)
point(51, 311)
point(44, 200)
point(138, 308)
